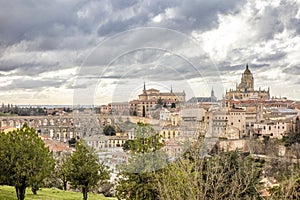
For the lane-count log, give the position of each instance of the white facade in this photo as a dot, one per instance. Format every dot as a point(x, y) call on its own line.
point(165, 114)
point(273, 129)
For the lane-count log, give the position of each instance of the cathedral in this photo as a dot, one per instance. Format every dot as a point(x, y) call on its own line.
point(245, 90)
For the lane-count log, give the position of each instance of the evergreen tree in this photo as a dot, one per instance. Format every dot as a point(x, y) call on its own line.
point(160, 101)
point(109, 130)
point(137, 177)
point(25, 161)
point(84, 169)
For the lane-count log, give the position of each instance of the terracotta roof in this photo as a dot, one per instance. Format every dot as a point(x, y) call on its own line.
point(5, 127)
point(57, 146)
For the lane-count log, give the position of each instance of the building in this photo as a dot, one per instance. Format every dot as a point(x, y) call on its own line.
point(274, 129)
point(245, 89)
point(6, 129)
point(150, 98)
point(57, 147)
point(169, 132)
point(173, 148)
point(115, 108)
point(100, 142)
point(204, 100)
point(165, 114)
point(192, 112)
point(219, 123)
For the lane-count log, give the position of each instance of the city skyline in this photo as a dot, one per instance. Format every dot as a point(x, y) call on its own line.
point(96, 52)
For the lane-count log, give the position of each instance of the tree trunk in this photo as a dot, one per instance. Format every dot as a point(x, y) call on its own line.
point(84, 192)
point(20, 190)
point(34, 190)
point(65, 185)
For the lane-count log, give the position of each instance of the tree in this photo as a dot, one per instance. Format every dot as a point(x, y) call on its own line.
point(137, 177)
point(61, 169)
point(25, 161)
point(134, 113)
point(84, 169)
point(289, 184)
point(225, 175)
point(127, 145)
point(173, 105)
point(72, 142)
point(109, 130)
point(160, 101)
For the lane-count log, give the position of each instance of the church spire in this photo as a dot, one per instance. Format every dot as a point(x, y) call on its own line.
point(144, 87)
point(171, 89)
point(212, 93)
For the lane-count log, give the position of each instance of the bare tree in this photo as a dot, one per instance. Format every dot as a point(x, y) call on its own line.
point(225, 175)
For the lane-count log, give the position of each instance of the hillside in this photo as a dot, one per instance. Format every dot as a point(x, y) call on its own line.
point(8, 193)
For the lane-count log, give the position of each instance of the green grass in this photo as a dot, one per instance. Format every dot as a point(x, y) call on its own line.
point(8, 193)
point(7, 114)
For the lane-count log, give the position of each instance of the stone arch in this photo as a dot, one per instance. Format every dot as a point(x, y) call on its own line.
point(11, 123)
point(52, 122)
point(45, 122)
point(51, 133)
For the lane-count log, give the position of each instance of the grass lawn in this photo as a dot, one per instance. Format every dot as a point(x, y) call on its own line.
point(8, 193)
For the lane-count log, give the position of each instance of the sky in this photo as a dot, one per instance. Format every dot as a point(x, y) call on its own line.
point(72, 52)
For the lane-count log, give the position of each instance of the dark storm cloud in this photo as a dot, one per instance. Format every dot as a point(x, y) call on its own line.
point(155, 64)
point(57, 25)
point(142, 46)
point(288, 11)
point(188, 15)
point(23, 84)
point(204, 14)
point(268, 23)
point(33, 68)
point(27, 19)
point(271, 20)
point(278, 55)
point(292, 70)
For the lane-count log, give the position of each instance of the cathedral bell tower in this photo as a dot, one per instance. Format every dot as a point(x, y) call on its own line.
point(247, 81)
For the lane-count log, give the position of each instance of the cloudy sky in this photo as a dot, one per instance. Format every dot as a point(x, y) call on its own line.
point(95, 52)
